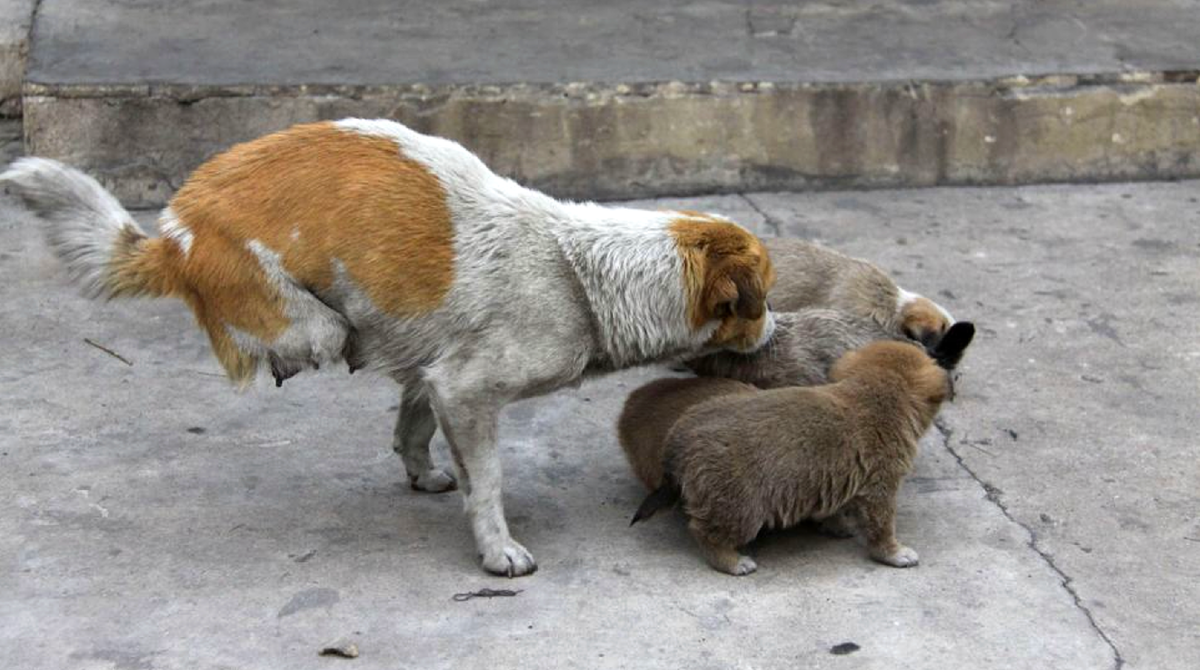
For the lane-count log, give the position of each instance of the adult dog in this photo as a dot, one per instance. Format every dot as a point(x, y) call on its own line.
point(367, 242)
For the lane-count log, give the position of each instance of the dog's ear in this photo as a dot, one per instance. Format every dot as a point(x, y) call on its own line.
point(736, 289)
point(949, 349)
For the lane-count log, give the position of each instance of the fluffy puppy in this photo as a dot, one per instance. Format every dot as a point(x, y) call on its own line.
point(810, 275)
point(366, 242)
point(746, 459)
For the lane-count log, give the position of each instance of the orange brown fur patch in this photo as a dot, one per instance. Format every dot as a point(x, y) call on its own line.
point(142, 266)
point(727, 273)
point(314, 194)
point(923, 321)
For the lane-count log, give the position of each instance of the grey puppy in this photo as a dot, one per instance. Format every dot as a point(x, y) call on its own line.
point(801, 352)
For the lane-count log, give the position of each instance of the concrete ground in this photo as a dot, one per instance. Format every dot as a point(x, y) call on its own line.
point(623, 99)
point(152, 518)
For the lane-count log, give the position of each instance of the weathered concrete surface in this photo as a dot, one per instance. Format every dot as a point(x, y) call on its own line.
point(291, 42)
point(1079, 408)
point(153, 518)
point(687, 98)
point(16, 18)
point(596, 141)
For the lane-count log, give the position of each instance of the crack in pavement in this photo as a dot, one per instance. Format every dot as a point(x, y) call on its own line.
point(770, 221)
point(992, 493)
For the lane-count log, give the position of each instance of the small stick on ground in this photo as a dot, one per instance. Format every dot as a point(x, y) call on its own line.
point(484, 593)
point(108, 351)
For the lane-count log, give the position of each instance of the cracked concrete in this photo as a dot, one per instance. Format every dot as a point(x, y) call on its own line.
point(993, 495)
point(155, 519)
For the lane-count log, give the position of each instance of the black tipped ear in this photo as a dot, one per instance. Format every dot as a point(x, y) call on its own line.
point(949, 350)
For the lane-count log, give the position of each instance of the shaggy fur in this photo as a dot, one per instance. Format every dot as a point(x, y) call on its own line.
point(745, 460)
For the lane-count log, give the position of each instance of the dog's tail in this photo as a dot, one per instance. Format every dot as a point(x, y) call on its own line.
point(665, 496)
point(104, 250)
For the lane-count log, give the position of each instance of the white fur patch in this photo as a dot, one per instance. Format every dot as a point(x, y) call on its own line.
point(171, 228)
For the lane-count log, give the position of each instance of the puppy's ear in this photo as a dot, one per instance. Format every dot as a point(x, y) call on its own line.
point(736, 290)
point(949, 350)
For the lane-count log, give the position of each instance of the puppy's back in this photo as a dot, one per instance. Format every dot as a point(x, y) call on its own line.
point(803, 348)
point(810, 275)
point(651, 410)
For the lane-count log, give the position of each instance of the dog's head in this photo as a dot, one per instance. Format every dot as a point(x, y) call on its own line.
point(922, 319)
point(727, 273)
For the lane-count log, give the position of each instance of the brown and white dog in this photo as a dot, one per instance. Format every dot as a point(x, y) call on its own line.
point(368, 242)
point(743, 459)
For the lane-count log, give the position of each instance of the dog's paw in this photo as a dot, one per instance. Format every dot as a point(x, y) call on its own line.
point(509, 559)
point(904, 557)
point(433, 480)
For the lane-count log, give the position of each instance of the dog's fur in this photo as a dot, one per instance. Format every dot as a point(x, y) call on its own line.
point(804, 347)
point(367, 242)
point(745, 459)
point(813, 276)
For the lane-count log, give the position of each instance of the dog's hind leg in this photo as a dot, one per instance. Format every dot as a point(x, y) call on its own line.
point(415, 426)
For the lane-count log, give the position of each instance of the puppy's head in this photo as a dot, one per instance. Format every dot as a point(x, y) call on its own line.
point(727, 273)
point(891, 362)
point(922, 319)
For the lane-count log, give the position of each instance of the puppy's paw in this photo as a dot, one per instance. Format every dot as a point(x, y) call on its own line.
point(904, 557)
point(433, 480)
point(744, 566)
point(737, 565)
point(509, 559)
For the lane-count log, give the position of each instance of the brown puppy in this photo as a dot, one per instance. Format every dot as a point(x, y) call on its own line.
point(809, 275)
point(746, 460)
point(651, 410)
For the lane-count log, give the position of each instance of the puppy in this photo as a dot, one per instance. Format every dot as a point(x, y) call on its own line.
point(366, 242)
point(800, 353)
point(810, 275)
point(746, 459)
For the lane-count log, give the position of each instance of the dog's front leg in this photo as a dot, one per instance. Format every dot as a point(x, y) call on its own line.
point(469, 424)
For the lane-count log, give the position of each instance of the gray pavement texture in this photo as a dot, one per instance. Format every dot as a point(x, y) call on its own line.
point(150, 517)
point(545, 41)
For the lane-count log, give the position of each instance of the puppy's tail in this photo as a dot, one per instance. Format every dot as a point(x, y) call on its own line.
point(104, 250)
point(666, 495)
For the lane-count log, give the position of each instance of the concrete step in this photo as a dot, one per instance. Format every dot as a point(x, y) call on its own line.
point(587, 99)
